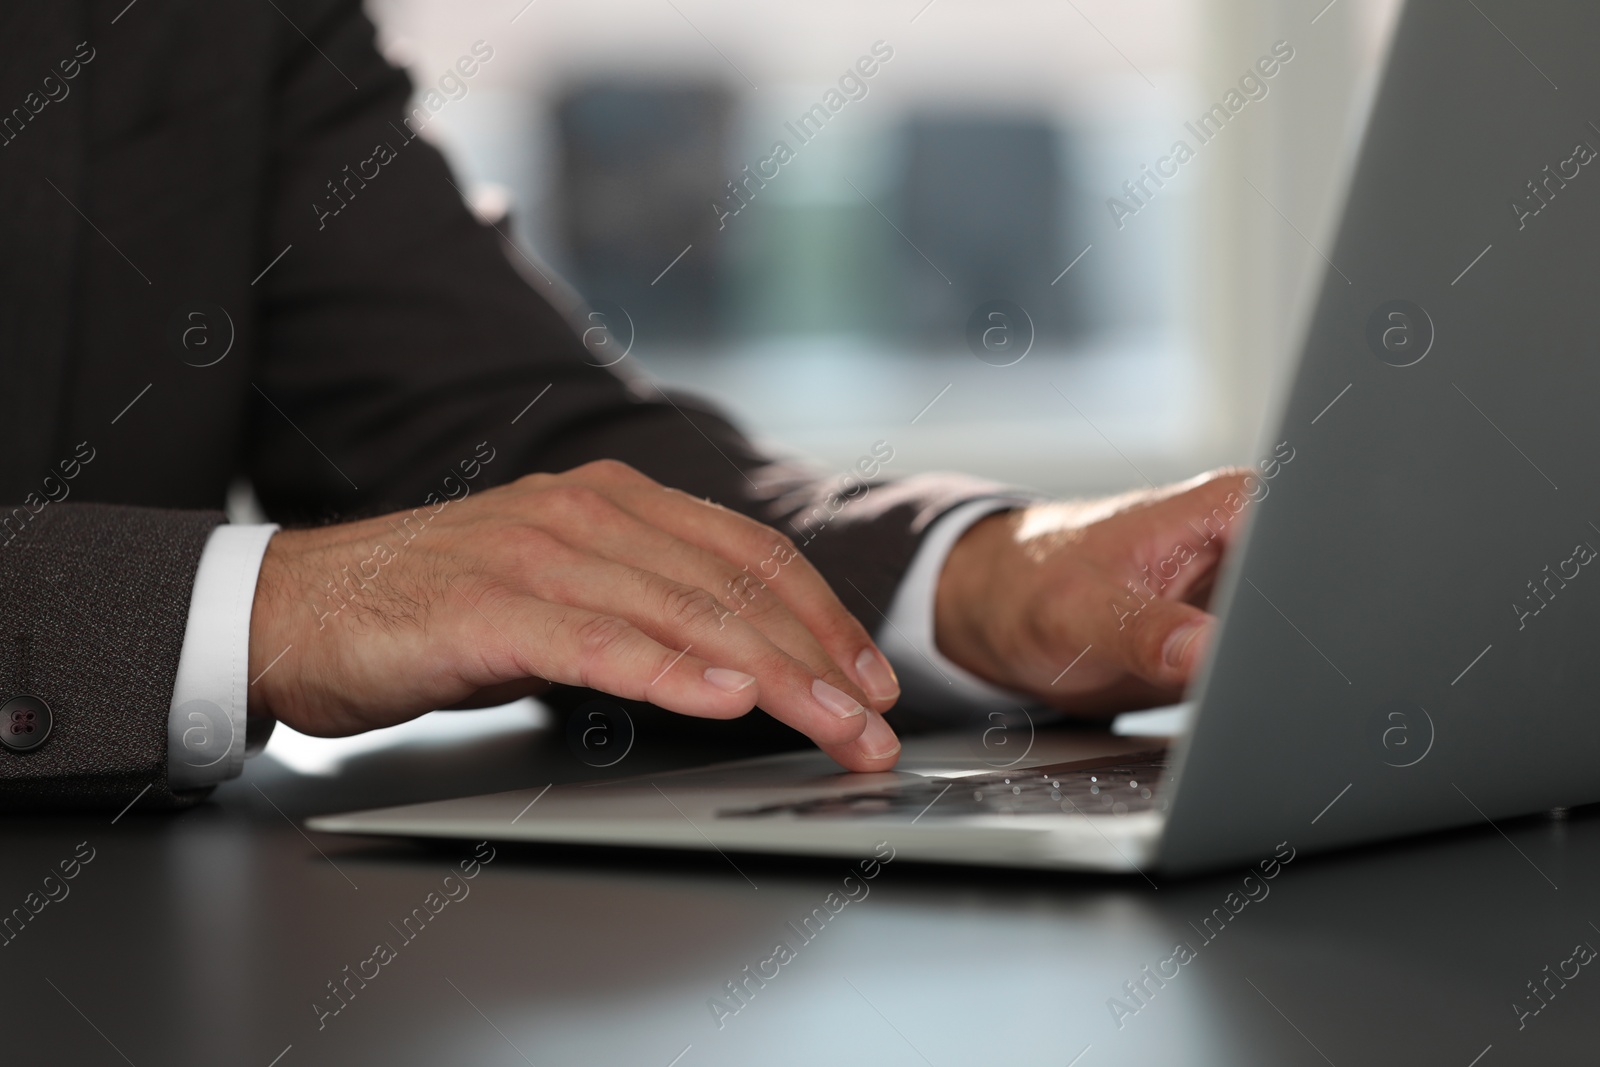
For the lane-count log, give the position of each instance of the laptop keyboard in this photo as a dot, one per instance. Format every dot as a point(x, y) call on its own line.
point(1118, 786)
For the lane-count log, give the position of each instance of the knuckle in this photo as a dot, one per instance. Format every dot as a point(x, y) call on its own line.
point(1229, 479)
point(598, 637)
point(686, 608)
point(740, 589)
point(570, 501)
point(749, 534)
point(534, 539)
point(758, 534)
point(533, 548)
point(772, 555)
point(759, 605)
point(533, 482)
point(610, 470)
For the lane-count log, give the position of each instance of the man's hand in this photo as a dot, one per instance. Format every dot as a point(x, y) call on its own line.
point(1120, 582)
point(597, 577)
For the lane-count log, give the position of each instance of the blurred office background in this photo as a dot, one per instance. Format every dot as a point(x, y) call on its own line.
point(840, 307)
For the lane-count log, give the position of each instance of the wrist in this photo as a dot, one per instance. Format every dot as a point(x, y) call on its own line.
point(314, 590)
point(970, 587)
point(268, 641)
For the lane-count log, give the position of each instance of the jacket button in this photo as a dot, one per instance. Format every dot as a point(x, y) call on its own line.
point(25, 723)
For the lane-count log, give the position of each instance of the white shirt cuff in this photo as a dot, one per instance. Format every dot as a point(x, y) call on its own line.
point(206, 726)
point(930, 682)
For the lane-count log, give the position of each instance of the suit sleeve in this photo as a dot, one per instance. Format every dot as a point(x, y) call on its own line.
point(93, 604)
point(398, 337)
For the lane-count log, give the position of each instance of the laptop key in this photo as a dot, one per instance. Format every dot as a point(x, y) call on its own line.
point(1104, 788)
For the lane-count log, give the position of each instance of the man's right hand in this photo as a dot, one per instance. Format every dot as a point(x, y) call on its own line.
point(597, 577)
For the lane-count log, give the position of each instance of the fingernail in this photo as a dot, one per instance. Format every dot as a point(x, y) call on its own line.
point(729, 681)
point(877, 741)
point(876, 676)
point(1179, 640)
point(836, 701)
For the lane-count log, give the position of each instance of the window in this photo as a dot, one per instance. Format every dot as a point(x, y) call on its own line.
point(966, 229)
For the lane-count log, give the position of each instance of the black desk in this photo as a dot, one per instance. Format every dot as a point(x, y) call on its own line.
point(207, 938)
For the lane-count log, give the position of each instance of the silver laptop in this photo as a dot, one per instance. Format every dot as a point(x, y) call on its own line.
point(1409, 628)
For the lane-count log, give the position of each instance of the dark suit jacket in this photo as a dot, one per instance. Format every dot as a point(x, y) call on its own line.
point(156, 159)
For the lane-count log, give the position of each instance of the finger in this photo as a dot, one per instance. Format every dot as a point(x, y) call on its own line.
point(612, 533)
point(768, 555)
point(598, 651)
point(1178, 540)
point(1159, 641)
point(1210, 511)
point(876, 749)
point(678, 615)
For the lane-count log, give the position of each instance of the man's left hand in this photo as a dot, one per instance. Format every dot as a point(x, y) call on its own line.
point(1093, 606)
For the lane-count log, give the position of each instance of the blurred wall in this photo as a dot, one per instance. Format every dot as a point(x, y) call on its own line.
point(1275, 200)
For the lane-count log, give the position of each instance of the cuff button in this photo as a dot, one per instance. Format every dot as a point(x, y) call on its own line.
point(25, 723)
